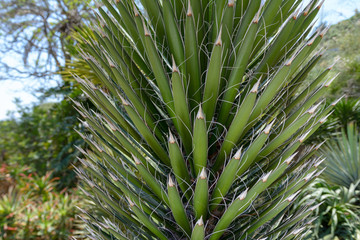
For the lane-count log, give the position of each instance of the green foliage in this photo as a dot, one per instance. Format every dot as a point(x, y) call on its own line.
point(346, 111)
point(200, 97)
point(338, 214)
point(8, 205)
point(341, 42)
point(343, 158)
point(43, 138)
point(33, 209)
point(77, 65)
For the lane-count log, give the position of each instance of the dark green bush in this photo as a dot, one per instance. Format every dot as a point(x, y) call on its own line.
point(43, 138)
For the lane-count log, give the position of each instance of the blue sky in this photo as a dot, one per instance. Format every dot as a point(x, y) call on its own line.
point(332, 12)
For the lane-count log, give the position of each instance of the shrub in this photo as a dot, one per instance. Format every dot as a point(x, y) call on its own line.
point(338, 214)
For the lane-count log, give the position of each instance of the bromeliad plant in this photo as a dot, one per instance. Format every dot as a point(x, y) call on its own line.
point(200, 117)
point(336, 213)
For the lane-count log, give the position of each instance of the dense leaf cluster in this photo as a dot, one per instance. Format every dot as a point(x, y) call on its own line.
point(200, 115)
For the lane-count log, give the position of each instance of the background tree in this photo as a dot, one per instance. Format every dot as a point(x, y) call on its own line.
point(342, 43)
point(39, 32)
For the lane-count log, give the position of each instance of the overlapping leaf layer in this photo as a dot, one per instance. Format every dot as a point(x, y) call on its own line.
point(202, 108)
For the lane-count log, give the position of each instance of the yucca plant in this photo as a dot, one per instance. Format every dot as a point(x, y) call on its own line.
point(200, 117)
point(342, 165)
